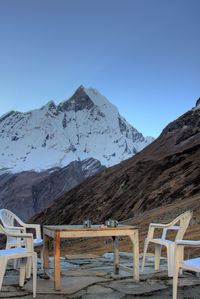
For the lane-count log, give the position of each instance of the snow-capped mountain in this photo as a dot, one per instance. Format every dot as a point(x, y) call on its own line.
point(84, 126)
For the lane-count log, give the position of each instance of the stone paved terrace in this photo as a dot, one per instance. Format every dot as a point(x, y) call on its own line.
point(91, 277)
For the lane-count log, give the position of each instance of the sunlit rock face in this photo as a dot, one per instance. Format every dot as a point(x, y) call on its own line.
point(85, 126)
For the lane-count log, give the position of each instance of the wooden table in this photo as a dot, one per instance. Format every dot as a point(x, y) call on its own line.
point(78, 231)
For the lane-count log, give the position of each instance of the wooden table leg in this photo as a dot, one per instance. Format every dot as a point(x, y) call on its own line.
point(135, 242)
point(57, 261)
point(116, 255)
point(46, 251)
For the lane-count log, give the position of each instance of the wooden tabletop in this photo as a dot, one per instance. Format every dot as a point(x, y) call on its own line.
point(82, 228)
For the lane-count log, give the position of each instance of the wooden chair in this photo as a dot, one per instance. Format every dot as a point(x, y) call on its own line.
point(183, 220)
point(21, 253)
point(14, 224)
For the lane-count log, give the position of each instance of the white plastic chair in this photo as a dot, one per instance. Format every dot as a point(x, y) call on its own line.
point(19, 253)
point(14, 224)
point(183, 220)
point(192, 264)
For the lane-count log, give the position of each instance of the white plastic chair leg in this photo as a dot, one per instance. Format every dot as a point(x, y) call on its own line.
point(158, 248)
point(15, 261)
point(22, 271)
point(42, 257)
point(170, 258)
point(175, 277)
point(28, 267)
point(34, 260)
point(3, 264)
point(144, 253)
point(16, 264)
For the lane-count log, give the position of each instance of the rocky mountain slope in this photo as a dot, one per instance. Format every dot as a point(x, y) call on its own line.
point(85, 126)
point(28, 192)
point(165, 172)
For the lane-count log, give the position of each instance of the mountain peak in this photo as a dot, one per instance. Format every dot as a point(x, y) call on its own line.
point(198, 103)
point(85, 126)
point(78, 101)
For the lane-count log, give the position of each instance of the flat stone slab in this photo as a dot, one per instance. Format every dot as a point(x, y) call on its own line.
point(131, 288)
point(69, 285)
point(11, 280)
point(98, 289)
point(30, 296)
point(83, 272)
point(12, 292)
point(80, 256)
point(185, 282)
point(113, 295)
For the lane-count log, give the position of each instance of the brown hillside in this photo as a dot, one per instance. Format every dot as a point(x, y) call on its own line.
point(155, 185)
point(167, 171)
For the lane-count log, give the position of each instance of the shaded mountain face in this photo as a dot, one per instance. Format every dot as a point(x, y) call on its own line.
point(165, 172)
point(28, 192)
point(85, 126)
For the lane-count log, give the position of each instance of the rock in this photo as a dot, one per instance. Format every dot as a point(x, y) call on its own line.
point(69, 285)
point(98, 289)
point(83, 272)
point(80, 256)
point(128, 287)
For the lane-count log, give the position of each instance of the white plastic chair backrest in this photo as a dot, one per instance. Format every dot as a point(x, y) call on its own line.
point(184, 220)
point(8, 219)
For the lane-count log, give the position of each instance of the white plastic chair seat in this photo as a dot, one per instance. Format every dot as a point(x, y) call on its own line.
point(179, 263)
point(37, 242)
point(193, 262)
point(13, 251)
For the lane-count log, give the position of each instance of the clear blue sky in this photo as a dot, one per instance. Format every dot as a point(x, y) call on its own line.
point(143, 55)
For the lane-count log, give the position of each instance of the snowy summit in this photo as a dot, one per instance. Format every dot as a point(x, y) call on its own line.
point(84, 126)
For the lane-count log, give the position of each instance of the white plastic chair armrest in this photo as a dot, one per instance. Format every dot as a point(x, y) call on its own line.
point(167, 226)
point(16, 228)
point(36, 227)
point(27, 236)
point(174, 227)
point(19, 235)
point(190, 243)
point(159, 225)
